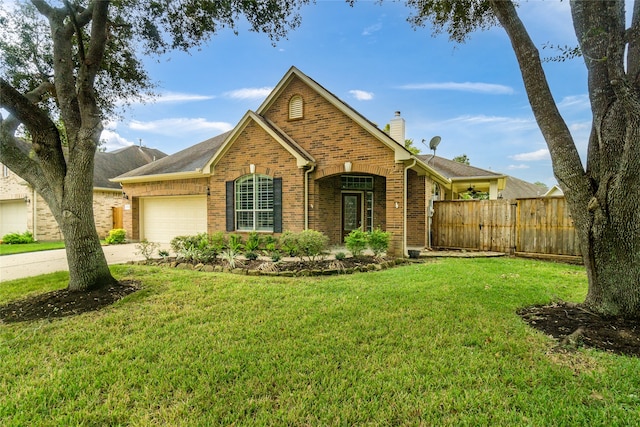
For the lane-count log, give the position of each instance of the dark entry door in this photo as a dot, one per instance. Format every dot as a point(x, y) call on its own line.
point(351, 212)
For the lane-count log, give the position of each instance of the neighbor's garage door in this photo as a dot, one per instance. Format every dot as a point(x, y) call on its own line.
point(163, 218)
point(13, 216)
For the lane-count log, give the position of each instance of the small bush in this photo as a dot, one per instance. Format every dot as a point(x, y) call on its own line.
point(340, 256)
point(17, 238)
point(146, 248)
point(311, 244)
point(235, 243)
point(253, 242)
point(378, 241)
point(271, 250)
point(289, 243)
point(356, 242)
point(251, 255)
point(117, 236)
point(163, 253)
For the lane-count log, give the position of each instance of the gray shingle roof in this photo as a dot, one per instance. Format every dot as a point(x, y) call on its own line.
point(452, 169)
point(114, 163)
point(519, 189)
point(188, 160)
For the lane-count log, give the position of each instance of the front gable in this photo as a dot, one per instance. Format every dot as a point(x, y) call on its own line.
point(321, 122)
point(252, 120)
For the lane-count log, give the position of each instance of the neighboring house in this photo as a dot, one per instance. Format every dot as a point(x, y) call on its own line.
point(554, 191)
point(303, 160)
point(22, 209)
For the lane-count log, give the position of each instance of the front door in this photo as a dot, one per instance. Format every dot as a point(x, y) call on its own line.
point(351, 212)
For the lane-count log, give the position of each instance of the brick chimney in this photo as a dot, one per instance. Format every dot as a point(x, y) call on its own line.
point(396, 128)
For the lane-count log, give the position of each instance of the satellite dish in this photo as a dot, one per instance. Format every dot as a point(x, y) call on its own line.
point(433, 144)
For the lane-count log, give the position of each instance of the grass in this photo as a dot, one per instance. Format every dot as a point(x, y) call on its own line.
point(30, 247)
point(424, 344)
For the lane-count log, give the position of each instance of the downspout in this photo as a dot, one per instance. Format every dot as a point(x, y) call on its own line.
point(306, 195)
point(404, 215)
point(34, 213)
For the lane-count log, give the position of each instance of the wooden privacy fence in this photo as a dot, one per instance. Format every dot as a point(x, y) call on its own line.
point(537, 226)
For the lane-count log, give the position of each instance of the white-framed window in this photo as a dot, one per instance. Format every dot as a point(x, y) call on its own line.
point(296, 110)
point(254, 203)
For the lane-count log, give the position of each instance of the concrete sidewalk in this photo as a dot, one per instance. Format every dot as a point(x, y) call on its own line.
point(37, 263)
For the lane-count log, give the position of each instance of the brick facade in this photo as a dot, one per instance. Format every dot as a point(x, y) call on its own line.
point(331, 137)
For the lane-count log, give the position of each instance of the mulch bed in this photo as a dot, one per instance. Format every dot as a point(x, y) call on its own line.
point(62, 303)
point(575, 326)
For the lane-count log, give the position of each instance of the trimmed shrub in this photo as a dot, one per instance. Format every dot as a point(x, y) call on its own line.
point(356, 242)
point(378, 241)
point(117, 236)
point(17, 238)
point(311, 244)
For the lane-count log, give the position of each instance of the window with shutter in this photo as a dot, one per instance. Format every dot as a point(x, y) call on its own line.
point(254, 203)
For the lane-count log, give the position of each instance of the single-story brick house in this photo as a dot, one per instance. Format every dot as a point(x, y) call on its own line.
point(303, 160)
point(23, 209)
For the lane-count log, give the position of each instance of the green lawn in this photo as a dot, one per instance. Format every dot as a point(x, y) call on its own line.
point(30, 247)
point(424, 344)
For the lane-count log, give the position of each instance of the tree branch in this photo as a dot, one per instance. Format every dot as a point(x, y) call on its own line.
point(72, 15)
point(566, 160)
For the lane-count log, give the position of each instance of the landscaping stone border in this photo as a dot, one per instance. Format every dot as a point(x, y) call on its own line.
point(209, 268)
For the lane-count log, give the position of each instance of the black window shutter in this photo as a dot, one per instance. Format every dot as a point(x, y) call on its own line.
point(230, 210)
point(277, 205)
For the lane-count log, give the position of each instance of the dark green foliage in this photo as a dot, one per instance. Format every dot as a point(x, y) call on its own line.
point(340, 256)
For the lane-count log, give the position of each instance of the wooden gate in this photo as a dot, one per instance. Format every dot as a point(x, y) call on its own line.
point(485, 225)
point(116, 213)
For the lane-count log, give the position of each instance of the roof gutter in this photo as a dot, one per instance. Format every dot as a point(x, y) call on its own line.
point(160, 177)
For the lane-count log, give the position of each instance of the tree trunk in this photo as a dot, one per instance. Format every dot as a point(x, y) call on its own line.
point(602, 198)
point(88, 267)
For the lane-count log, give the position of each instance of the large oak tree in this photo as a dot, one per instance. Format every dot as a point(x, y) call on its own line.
point(73, 62)
point(603, 196)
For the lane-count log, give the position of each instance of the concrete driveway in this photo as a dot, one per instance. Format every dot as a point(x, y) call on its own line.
point(37, 263)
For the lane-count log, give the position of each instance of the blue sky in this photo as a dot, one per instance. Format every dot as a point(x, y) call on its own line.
point(370, 57)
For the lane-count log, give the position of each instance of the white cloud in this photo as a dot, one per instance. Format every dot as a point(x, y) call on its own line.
point(502, 124)
point(176, 97)
point(515, 167)
point(113, 140)
point(179, 126)
point(575, 102)
point(541, 154)
point(249, 93)
point(361, 95)
point(475, 87)
point(371, 29)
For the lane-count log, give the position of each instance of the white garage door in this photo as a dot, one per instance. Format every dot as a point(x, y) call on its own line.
point(13, 216)
point(163, 218)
